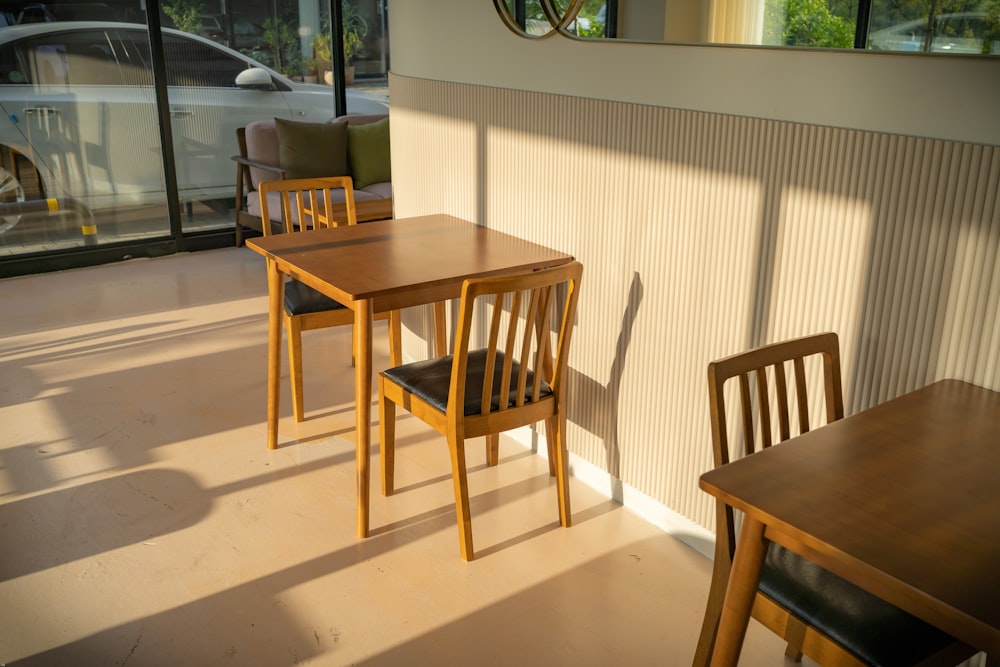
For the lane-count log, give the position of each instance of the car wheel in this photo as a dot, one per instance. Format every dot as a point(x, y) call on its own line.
point(11, 192)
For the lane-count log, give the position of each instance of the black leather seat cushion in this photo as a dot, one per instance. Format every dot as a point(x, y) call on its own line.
point(430, 380)
point(872, 629)
point(301, 299)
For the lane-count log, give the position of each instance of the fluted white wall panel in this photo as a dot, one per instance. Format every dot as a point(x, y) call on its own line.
point(705, 234)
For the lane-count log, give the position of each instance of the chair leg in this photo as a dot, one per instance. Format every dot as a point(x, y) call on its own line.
point(492, 449)
point(562, 470)
point(795, 634)
point(551, 426)
point(395, 339)
point(387, 439)
point(713, 612)
point(461, 483)
point(295, 365)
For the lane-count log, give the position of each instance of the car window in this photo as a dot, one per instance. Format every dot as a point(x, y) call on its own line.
point(11, 68)
point(69, 58)
point(191, 63)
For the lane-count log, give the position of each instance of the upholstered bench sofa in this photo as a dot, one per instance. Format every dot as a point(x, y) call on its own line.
point(352, 145)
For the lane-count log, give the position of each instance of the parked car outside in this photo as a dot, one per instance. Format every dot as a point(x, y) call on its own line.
point(77, 101)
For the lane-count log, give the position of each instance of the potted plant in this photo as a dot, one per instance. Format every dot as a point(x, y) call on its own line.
point(322, 53)
point(355, 30)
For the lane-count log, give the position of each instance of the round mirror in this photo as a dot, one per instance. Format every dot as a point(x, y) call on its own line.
point(537, 18)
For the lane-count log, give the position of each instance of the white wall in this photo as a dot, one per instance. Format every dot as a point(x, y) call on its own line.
point(946, 97)
point(703, 229)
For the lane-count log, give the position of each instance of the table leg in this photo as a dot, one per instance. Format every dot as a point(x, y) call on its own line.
point(740, 593)
point(276, 295)
point(440, 330)
point(362, 407)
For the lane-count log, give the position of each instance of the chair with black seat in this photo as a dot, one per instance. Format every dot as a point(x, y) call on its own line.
point(511, 381)
point(305, 204)
point(819, 614)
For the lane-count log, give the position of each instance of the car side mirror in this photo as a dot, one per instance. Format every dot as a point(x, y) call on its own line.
point(254, 78)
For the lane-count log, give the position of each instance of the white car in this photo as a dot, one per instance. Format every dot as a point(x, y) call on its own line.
point(78, 102)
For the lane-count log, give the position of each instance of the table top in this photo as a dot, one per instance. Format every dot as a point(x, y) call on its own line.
point(901, 499)
point(401, 262)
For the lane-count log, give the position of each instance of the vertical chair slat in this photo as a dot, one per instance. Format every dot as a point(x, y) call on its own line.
point(314, 219)
point(543, 358)
point(508, 349)
point(834, 407)
point(802, 393)
point(286, 211)
point(747, 412)
point(531, 316)
point(491, 349)
point(763, 408)
point(781, 387)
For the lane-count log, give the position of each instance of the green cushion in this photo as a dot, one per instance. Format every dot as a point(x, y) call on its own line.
point(312, 150)
point(368, 151)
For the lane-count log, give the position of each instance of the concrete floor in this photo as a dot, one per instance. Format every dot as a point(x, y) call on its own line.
point(144, 522)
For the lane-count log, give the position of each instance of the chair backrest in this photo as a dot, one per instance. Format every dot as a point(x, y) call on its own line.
point(769, 398)
point(307, 203)
point(514, 315)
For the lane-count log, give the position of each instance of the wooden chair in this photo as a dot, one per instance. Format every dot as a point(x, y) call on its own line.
point(304, 205)
point(511, 382)
point(819, 614)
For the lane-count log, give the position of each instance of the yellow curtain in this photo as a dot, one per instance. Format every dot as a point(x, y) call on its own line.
point(735, 21)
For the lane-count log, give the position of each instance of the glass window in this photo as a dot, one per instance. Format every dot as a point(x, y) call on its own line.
point(79, 122)
point(946, 27)
point(70, 58)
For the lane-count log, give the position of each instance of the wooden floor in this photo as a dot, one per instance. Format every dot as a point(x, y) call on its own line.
point(143, 521)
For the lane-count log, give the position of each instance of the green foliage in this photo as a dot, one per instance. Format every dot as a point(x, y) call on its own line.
point(322, 49)
point(186, 14)
point(282, 40)
point(355, 30)
point(992, 34)
point(806, 23)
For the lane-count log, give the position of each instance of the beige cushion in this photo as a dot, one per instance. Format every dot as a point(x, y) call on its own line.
point(376, 190)
point(262, 146)
point(312, 150)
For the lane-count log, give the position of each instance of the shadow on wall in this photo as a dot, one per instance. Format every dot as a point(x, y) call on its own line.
point(591, 405)
point(594, 406)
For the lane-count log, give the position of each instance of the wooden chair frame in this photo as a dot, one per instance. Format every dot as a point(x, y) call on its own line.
point(532, 298)
point(756, 412)
point(305, 204)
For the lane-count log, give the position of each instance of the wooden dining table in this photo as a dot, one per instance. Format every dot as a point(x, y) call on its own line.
point(380, 266)
point(901, 500)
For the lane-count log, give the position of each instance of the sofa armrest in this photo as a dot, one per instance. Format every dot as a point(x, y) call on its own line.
point(259, 165)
